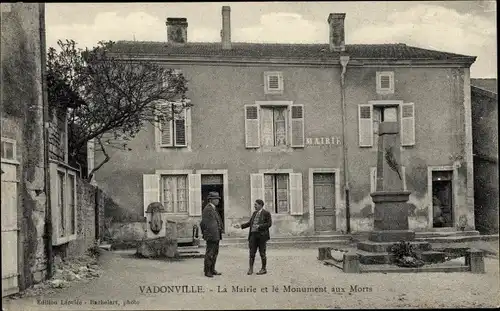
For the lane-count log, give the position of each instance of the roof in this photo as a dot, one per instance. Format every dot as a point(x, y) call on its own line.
point(386, 52)
point(489, 84)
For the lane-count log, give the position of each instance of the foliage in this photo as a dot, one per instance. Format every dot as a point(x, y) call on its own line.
point(108, 99)
point(405, 255)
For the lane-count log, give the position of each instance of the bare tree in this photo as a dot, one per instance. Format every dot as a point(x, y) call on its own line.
point(108, 99)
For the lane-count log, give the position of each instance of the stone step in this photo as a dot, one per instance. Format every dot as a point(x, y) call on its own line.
point(369, 258)
point(433, 256)
point(396, 269)
point(430, 234)
point(382, 247)
point(332, 237)
point(457, 239)
point(285, 244)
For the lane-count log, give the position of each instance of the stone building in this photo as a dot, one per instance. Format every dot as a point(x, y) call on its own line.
point(296, 125)
point(47, 210)
point(485, 143)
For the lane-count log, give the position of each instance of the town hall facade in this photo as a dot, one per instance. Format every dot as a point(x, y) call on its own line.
point(296, 125)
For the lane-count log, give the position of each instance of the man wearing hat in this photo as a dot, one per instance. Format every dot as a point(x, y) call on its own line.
point(258, 235)
point(211, 228)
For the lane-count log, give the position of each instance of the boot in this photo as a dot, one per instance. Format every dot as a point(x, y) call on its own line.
point(263, 269)
point(250, 269)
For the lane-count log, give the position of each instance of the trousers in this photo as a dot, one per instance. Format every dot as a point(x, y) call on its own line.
point(211, 253)
point(255, 242)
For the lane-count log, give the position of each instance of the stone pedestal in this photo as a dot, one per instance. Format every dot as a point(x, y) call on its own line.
point(351, 263)
point(163, 247)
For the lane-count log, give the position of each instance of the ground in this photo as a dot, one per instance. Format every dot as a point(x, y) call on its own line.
point(128, 278)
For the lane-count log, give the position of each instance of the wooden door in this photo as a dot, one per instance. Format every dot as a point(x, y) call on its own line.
point(9, 229)
point(324, 201)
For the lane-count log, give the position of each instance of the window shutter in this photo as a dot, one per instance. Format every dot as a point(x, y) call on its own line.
point(180, 128)
point(297, 138)
point(365, 124)
point(373, 179)
point(165, 134)
point(151, 188)
point(252, 131)
point(403, 172)
point(407, 124)
point(296, 201)
point(53, 202)
point(195, 195)
point(256, 189)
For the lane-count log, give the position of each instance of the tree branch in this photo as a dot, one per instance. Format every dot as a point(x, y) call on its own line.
point(106, 160)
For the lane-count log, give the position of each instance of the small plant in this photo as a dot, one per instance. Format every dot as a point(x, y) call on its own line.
point(405, 256)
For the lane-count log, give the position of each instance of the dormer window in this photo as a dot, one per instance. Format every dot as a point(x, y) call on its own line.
point(385, 82)
point(273, 82)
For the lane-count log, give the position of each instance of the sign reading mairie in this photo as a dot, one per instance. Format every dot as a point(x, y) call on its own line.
point(323, 141)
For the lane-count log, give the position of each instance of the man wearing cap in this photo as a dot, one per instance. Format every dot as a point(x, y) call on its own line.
point(259, 224)
point(211, 228)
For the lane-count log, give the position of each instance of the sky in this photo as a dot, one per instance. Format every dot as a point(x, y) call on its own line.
point(463, 27)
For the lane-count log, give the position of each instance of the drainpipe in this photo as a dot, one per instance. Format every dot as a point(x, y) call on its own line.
point(46, 118)
point(344, 59)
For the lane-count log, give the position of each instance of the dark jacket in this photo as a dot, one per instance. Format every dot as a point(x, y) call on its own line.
point(211, 224)
point(265, 224)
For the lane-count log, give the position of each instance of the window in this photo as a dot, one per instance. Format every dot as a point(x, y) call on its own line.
point(64, 203)
point(8, 149)
point(276, 193)
point(371, 115)
point(280, 191)
point(273, 82)
point(272, 124)
point(174, 193)
point(173, 125)
point(385, 82)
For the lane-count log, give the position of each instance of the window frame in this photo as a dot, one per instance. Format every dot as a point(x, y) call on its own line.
point(175, 205)
point(455, 196)
point(379, 89)
point(55, 169)
point(375, 105)
point(267, 89)
point(14, 150)
point(278, 172)
point(187, 128)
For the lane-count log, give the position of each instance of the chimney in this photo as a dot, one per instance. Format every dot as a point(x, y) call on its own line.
point(337, 39)
point(176, 30)
point(226, 28)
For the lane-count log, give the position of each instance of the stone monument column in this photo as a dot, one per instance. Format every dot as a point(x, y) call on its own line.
point(390, 198)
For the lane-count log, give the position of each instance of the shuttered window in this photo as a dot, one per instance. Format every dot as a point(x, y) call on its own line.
point(174, 193)
point(276, 196)
point(63, 203)
point(365, 125)
point(281, 192)
point(273, 82)
point(385, 82)
point(274, 126)
point(408, 124)
point(173, 125)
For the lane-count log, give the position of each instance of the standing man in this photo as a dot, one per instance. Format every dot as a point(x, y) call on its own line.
point(211, 228)
point(259, 224)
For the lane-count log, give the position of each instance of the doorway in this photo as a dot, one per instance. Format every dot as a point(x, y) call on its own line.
point(324, 201)
point(211, 183)
point(442, 199)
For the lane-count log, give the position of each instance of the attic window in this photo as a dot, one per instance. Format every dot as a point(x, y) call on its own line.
point(273, 82)
point(385, 82)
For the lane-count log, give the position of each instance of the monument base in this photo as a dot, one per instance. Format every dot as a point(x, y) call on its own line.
point(392, 235)
point(391, 210)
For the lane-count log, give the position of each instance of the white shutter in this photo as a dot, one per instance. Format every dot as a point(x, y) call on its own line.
point(195, 195)
point(256, 189)
point(252, 131)
point(296, 201)
point(151, 188)
point(373, 179)
point(365, 125)
point(180, 129)
point(407, 124)
point(403, 173)
point(165, 133)
point(297, 126)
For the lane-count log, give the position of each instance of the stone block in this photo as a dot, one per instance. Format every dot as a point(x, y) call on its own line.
point(433, 256)
point(392, 235)
point(475, 259)
point(351, 263)
point(158, 248)
point(391, 216)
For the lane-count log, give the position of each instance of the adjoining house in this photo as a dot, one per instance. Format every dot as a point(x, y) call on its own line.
point(47, 210)
point(296, 125)
point(485, 141)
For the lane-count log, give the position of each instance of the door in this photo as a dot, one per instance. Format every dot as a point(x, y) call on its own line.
point(442, 199)
point(9, 229)
point(324, 201)
point(211, 183)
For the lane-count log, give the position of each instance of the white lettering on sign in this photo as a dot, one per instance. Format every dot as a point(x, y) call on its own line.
point(323, 141)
